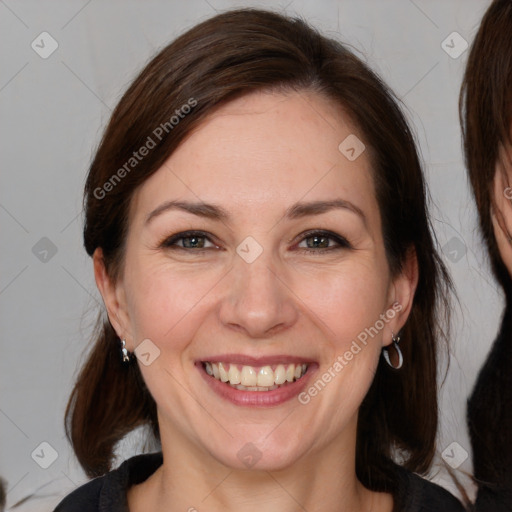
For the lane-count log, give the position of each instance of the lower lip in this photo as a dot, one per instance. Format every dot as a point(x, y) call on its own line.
point(257, 398)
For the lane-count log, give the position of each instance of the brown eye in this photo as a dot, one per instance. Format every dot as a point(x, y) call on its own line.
point(193, 242)
point(317, 242)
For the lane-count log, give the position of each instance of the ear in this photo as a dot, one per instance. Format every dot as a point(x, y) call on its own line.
point(113, 297)
point(501, 206)
point(401, 296)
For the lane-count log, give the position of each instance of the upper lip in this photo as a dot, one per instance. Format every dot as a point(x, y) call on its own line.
point(246, 360)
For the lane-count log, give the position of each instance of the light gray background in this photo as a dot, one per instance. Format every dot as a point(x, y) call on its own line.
point(52, 114)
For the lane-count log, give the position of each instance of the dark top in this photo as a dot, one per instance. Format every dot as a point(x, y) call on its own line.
point(108, 493)
point(490, 424)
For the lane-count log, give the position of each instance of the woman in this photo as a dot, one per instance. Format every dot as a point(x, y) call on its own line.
point(257, 218)
point(486, 114)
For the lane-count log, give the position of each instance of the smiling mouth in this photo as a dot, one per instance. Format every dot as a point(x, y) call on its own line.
point(252, 378)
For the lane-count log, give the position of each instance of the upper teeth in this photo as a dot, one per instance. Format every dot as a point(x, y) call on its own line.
point(255, 377)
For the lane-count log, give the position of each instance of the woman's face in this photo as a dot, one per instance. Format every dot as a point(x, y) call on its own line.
point(502, 205)
point(285, 271)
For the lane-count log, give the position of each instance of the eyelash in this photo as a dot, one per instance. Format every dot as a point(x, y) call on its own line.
point(169, 242)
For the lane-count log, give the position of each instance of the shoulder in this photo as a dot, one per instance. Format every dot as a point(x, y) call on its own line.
point(83, 499)
point(416, 494)
point(108, 492)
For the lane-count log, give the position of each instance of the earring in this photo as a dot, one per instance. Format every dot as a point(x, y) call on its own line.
point(124, 351)
point(385, 353)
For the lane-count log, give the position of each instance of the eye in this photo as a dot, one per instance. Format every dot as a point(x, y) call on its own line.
point(195, 240)
point(322, 241)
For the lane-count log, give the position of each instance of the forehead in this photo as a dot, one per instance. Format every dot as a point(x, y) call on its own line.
point(261, 150)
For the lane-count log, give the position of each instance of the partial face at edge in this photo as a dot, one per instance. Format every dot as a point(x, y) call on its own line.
point(263, 279)
point(502, 207)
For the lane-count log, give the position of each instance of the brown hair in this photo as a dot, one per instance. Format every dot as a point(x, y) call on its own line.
point(485, 108)
point(226, 56)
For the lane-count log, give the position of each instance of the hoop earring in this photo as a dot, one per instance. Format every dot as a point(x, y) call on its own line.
point(385, 353)
point(124, 351)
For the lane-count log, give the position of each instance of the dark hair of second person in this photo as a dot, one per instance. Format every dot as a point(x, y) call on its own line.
point(486, 118)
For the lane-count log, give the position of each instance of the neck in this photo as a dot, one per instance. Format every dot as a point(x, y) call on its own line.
point(190, 480)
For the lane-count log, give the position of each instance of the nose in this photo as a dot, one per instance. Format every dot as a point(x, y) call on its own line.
point(258, 302)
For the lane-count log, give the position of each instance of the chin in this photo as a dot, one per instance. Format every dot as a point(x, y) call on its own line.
point(266, 452)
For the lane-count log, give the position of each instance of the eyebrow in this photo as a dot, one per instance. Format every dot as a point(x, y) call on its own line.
point(296, 211)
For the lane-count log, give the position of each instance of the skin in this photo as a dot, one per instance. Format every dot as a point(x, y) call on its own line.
point(502, 206)
point(255, 157)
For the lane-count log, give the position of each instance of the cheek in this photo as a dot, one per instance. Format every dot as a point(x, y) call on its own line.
point(351, 306)
point(165, 305)
point(347, 300)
